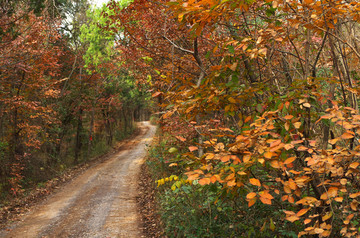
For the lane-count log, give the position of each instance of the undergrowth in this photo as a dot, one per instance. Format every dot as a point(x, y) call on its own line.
point(188, 209)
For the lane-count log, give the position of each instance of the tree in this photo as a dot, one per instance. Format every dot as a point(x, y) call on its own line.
point(279, 78)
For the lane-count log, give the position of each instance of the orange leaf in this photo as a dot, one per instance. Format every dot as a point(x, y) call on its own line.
point(292, 218)
point(225, 158)
point(193, 148)
point(288, 146)
point(333, 141)
point(302, 148)
point(255, 182)
point(347, 135)
point(354, 205)
point(156, 94)
point(332, 192)
point(307, 221)
point(246, 158)
point(291, 199)
point(204, 181)
point(354, 165)
point(268, 154)
point(213, 179)
point(339, 199)
point(231, 176)
point(180, 138)
point(289, 160)
point(354, 195)
point(231, 183)
point(266, 195)
point(302, 212)
point(251, 202)
point(251, 195)
point(265, 200)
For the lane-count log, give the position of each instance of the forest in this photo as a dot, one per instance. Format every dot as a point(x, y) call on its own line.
point(256, 104)
point(64, 96)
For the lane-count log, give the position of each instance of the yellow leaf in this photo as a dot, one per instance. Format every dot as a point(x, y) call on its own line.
point(272, 225)
point(327, 216)
point(307, 105)
point(297, 124)
point(255, 182)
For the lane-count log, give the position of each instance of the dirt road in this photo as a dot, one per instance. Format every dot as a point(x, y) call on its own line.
point(99, 203)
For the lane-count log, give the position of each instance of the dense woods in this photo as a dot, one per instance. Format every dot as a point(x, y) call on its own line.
point(260, 120)
point(64, 97)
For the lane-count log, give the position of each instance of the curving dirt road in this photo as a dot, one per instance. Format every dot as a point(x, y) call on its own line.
point(99, 203)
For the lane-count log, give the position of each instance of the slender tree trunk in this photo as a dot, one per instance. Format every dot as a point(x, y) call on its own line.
point(78, 143)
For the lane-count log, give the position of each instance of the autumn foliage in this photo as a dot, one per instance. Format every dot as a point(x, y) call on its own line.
point(270, 88)
point(58, 106)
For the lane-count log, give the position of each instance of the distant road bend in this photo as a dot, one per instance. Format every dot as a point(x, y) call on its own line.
point(100, 203)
